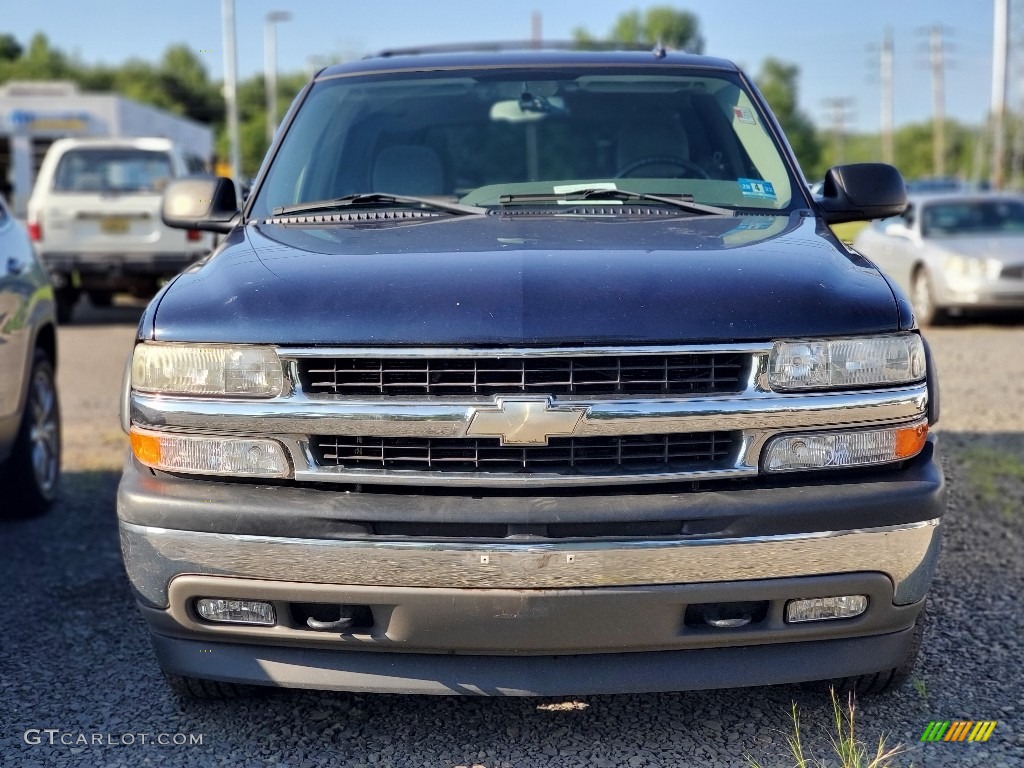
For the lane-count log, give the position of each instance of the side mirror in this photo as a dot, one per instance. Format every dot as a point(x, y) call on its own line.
point(861, 192)
point(208, 204)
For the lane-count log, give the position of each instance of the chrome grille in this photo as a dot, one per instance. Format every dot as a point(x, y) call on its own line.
point(661, 374)
point(587, 455)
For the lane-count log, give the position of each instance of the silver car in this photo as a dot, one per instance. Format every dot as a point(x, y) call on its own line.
point(29, 412)
point(953, 253)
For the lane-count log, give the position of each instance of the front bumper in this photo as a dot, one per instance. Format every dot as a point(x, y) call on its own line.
point(1002, 293)
point(545, 617)
point(585, 674)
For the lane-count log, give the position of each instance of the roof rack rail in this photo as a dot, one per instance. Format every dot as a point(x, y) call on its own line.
point(519, 45)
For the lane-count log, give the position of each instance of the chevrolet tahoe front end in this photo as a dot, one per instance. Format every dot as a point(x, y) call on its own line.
point(533, 437)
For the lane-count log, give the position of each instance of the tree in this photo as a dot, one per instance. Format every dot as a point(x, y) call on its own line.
point(658, 24)
point(777, 82)
point(38, 62)
point(10, 48)
point(184, 79)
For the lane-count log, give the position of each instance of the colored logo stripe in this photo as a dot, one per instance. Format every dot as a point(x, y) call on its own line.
point(982, 730)
point(935, 731)
point(958, 730)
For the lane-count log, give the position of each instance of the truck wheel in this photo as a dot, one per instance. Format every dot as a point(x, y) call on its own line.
point(101, 298)
point(31, 474)
point(889, 679)
point(197, 688)
point(923, 299)
point(66, 299)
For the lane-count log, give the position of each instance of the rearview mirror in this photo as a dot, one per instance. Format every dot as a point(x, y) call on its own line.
point(208, 204)
point(861, 192)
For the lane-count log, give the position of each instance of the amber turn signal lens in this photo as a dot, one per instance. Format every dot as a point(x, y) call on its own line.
point(910, 441)
point(146, 448)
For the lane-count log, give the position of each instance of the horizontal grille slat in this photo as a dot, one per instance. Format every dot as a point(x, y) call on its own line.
point(566, 455)
point(660, 374)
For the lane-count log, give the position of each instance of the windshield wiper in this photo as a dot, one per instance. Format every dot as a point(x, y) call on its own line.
point(368, 199)
point(683, 202)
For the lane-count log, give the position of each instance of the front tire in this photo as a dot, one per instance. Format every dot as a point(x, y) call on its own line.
point(30, 476)
point(101, 298)
point(66, 298)
point(194, 688)
point(923, 299)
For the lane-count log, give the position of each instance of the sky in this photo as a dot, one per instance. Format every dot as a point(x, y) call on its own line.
point(835, 43)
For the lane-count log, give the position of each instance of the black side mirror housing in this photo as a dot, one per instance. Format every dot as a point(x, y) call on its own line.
point(205, 203)
point(862, 192)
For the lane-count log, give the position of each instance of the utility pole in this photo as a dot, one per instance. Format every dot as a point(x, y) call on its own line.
point(270, 67)
point(888, 152)
point(936, 60)
point(1017, 148)
point(1000, 54)
point(537, 29)
point(227, 11)
point(839, 109)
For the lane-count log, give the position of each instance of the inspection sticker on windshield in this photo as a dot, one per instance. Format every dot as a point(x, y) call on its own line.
point(744, 115)
point(757, 188)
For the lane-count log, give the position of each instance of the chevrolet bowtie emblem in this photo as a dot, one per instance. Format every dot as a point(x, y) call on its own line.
point(525, 422)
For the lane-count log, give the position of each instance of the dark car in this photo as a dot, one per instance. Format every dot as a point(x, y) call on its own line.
point(29, 411)
point(531, 373)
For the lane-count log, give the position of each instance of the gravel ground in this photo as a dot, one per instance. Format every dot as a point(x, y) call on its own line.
point(74, 655)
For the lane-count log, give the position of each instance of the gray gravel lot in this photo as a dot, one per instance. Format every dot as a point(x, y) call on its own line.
point(74, 655)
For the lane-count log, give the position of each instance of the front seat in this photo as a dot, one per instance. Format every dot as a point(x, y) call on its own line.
point(653, 151)
point(408, 169)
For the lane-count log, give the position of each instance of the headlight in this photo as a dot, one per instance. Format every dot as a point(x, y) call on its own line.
point(846, 448)
point(841, 363)
point(207, 369)
point(960, 268)
point(210, 455)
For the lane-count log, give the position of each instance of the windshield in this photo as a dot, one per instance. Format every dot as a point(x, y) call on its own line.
point(476, 137)
point(112, 170)
point(973, 217)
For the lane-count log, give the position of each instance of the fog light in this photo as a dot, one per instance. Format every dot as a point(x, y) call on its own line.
point(824, 608)
point(236, 611)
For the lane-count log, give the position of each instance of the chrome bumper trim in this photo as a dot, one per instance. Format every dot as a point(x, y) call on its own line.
point(296, 353)
point(907, 554)
point(299, 415)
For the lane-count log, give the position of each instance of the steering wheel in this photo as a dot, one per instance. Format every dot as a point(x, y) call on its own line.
point(678, 162)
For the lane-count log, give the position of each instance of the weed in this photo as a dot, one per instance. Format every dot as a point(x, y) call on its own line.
point(852, 753)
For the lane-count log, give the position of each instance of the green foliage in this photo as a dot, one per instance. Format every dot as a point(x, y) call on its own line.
point(912, 145)
point(10, 48)
point(38, 62)
point(661, 23)
point(777, 82)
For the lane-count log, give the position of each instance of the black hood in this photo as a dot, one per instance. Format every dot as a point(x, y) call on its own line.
point(525, 280)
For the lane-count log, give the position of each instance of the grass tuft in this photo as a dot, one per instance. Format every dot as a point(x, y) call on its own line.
point(852, 753)
point(996, 477)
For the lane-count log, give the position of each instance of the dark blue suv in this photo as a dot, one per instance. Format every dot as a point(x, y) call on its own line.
point(531, 372)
